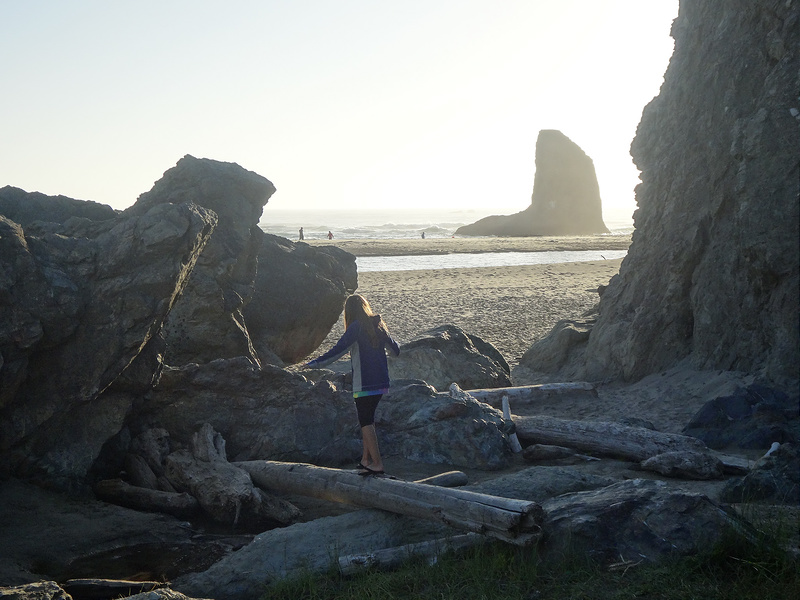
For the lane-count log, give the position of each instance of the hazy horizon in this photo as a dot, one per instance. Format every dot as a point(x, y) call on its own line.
point(424, 105)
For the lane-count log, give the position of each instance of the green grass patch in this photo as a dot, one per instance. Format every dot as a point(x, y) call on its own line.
point(735, 570)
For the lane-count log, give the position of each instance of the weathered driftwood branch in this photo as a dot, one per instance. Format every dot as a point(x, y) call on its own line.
point(514, 521)
point(599, 437)
point(117, 491)
point(387, 558)
point(449, 479)
point(528, 394)
point(108, 588)
point(612, 439)
point(512, 436)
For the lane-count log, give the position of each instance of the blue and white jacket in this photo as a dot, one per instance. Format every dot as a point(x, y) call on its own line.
point(368, 363)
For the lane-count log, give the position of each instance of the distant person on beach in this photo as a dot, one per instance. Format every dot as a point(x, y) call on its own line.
point(330, 235)
point(423, 235)
point(366, 338)
point(301, 237)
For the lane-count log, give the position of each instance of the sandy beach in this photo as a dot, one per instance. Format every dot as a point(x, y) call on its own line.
point(451, 245)
point(511, 307)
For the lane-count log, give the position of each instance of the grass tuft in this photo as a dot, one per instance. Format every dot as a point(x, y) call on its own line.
point(736, 569)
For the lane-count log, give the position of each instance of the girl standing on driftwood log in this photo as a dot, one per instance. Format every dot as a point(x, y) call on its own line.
point(366, 338)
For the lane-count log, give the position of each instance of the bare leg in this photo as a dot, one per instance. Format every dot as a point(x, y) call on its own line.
point(371, 455)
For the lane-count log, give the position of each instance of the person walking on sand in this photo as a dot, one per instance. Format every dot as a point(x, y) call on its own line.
point(366, 338)
point(330, 235)
point(301, 237)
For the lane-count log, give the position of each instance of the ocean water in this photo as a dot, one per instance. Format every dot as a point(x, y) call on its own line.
point(398, 224)
point(484, 259)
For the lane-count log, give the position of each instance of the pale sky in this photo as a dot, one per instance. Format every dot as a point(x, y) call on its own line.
point(378, 104)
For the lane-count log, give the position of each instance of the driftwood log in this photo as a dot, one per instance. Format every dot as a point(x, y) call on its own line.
point(102, 589)
point(528, 394)
point(388, 558)
point(513, 521)
point(448, 479)
point(513, 440)
point(615, 439)
point(117, 491)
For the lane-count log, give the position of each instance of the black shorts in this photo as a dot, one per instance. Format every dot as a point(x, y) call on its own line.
point(366, 405)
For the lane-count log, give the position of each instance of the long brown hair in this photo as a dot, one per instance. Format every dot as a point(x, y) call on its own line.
point(356, 308)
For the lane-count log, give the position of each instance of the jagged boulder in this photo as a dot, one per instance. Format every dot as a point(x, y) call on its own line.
point(447, 354)
point(565, 199)
point(775, 478)
point(754, 416)
point(565, 340)
point(420, 424)
point(298, 297)
point(267, 412)
point(77, 312)
point(41, 590)
point(712, 275)
point(207, 323)
point(86, 292)
point(632, 521)
point(26, 208)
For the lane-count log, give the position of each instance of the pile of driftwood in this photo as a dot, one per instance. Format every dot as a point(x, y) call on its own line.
point(669, 454)
point(201, 478)
point(193, 481)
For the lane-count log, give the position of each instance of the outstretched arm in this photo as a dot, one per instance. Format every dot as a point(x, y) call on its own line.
point(341, 348)
point(392, 345)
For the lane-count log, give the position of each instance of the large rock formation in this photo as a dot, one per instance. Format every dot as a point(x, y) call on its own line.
point(447, 354)
point(77, 311)
point(86, 293)
point(565, 200)
point(711, 277)
point(207, 322)
point(25, 208)
point(298, 297)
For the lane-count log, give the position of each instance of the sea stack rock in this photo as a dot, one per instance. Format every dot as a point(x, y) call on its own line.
point(711, 278)
point(565, 200)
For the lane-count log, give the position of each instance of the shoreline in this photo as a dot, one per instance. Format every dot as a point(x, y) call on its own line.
point(469, 245)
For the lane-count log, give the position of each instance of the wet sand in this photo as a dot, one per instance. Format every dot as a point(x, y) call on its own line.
point(413, 247)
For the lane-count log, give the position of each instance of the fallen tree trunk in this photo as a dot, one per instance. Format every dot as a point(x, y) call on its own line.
point(117, 491)
point(528, 394)
point(612, 439)
point(599, 437)
point(514, 521)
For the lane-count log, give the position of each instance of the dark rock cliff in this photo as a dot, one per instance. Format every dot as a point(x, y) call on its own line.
point(95, 303)
point(711, 278)
point(565, 199)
